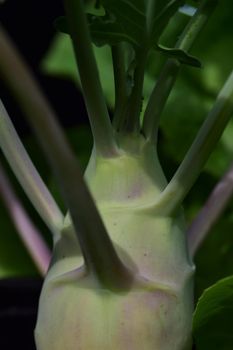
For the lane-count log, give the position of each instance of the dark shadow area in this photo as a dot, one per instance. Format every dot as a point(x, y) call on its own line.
point(18, 309)
point(30, 26)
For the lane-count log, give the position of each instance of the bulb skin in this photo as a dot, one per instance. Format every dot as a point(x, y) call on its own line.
point(155, 311)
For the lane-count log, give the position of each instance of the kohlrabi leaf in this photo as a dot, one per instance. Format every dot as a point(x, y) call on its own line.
point(213, 317)
point(103, 30)
point(137, 22)
point(143, 21)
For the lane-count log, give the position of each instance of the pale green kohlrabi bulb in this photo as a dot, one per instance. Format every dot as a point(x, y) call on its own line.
point(155, 313)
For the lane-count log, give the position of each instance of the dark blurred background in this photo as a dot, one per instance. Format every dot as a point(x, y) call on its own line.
point(30, 25)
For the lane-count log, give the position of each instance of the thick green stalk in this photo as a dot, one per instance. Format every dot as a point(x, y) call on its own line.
point(200, 150)
point(121, 95)
point(99, 254)
point(196, 24)
point(131, 124)
point(27, 174)
point(92, 90)
point(151, 6)
point(170, 71)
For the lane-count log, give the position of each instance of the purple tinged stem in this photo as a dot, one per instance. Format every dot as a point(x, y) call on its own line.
point(211, 211)
point(28, 233)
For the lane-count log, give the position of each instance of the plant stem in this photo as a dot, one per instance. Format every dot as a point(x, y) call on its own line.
point(196, 157)
point(27, 174)
point(29, 234)
point(121, 95)
point(92, 90)
point(159, 98)
point(131, 124)
point(170, 71)
point(98, 251)
point(211, 211)
point(196, 24)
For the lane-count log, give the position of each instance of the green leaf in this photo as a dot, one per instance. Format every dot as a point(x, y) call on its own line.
point(213, 317)
point(142, 21)
point(130, 16)
point(137, 22)
point(103, 30)
point(180, 55)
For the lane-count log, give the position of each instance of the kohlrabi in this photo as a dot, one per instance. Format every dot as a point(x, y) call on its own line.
point(121, 275)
